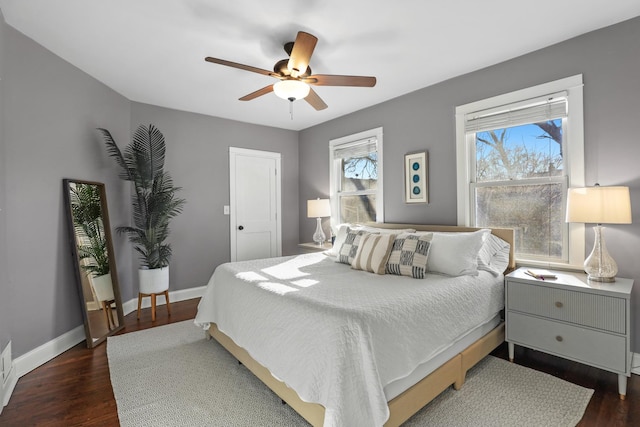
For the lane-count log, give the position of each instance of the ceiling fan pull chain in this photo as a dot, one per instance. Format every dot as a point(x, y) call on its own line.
point(291, 107)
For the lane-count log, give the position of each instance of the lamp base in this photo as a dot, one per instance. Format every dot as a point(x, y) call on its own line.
point(600, 266)
point(319, 236)
point(601, 279)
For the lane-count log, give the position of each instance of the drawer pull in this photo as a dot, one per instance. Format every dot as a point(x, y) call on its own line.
point(559, 338)
point(559, 304)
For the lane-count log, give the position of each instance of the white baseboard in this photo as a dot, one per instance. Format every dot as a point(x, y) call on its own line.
point(7, 387)
point(47, 351)
point(39, 356)
point(8, 378)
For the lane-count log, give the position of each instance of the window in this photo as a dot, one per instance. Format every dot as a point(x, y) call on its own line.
point(517, 155)
point(356, 178)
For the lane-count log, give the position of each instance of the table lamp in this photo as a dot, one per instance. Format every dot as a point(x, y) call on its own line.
point(599, 205)
point(318, 209)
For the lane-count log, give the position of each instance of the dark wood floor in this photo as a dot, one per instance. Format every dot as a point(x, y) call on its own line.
point(74, 389)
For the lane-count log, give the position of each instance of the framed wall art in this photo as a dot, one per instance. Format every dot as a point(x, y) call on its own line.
point(416, 171)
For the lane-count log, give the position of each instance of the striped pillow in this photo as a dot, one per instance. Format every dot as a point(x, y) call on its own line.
point(409, 255)
point(373, 252)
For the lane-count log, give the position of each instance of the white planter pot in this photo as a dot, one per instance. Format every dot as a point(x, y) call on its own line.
point(154, 281)
point(103, 287)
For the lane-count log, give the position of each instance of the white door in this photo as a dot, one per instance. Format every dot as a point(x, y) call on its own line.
point(254, 204)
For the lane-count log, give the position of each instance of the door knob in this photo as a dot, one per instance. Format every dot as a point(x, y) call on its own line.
point(241, 228)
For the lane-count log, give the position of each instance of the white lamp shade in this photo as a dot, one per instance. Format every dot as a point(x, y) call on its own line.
point(599, 205)
point(318, 208)
point(288, 89)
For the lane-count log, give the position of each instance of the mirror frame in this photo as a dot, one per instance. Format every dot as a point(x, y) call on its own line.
point(77, 270)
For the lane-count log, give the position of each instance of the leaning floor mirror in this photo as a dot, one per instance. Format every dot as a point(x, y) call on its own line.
point(93, 261)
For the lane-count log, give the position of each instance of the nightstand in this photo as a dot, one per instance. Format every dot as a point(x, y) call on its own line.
point(571, 317)
point(314, 247)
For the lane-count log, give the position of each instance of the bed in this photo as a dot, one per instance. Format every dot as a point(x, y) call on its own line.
point(348, 347)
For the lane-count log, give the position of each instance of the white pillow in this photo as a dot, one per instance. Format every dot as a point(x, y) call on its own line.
point(456, 254)
point(386, 230)
point(494, 255)
point(373, 252)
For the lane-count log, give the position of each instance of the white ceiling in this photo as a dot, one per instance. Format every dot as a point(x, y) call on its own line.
point(152, 51)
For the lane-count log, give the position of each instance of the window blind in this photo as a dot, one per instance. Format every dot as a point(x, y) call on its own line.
point(356, 148)
point(537, 110)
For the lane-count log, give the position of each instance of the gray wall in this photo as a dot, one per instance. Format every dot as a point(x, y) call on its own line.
point(50, 112)
point(47, 133)
point(198, 160)
point(609, 60)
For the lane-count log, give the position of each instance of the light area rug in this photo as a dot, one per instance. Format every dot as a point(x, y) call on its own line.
point(172, 376)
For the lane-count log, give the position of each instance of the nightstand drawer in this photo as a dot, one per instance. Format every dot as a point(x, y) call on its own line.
point(596, 311)
point(582, 345)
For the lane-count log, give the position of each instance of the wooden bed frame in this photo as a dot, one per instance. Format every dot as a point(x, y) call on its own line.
point(402, 407)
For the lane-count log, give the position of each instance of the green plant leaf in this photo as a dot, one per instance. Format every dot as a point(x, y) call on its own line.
point(154, 202)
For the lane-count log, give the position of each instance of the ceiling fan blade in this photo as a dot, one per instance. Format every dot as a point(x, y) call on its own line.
point(241, 66)
point(301, 53)
point(335, 80)
point(253, 95)
point(315, 101)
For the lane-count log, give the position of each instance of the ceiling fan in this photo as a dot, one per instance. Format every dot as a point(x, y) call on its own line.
point(295, 74)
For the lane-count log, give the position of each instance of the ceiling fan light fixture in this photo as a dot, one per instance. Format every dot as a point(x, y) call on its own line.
point(291, 89)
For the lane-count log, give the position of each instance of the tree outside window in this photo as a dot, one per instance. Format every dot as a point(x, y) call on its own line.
point(356, 178)
point(520, 184)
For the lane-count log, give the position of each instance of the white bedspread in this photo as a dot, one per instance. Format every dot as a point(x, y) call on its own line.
point(336, 335)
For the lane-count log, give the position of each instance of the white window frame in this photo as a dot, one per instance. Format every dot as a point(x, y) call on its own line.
point(573, 161)
point(335, 173)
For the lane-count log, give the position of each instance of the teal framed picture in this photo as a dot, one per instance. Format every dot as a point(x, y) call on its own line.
point(416, 170)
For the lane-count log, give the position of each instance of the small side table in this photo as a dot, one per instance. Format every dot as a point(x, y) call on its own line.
point(153, 303)
point(314, 247)
point(574, 318)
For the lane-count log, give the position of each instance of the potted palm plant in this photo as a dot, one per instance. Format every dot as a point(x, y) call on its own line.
point(92, 241)
point(153, 201)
